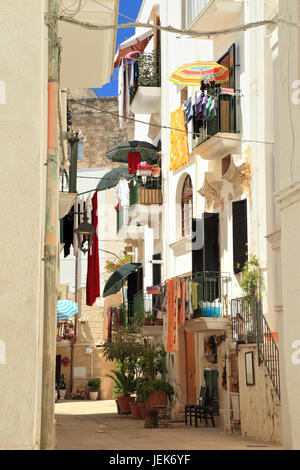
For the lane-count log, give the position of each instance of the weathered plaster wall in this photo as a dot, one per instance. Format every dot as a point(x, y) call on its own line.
point(22, 182)
point(258, 400)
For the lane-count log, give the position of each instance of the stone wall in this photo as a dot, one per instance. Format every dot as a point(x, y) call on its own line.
point(101, 130)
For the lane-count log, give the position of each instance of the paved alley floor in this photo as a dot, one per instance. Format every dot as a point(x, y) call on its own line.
point(95, 425)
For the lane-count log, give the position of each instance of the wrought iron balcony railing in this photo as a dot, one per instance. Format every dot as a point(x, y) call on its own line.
point(211, 294)
point(223, 121)
point(249, 325)
point(147, 72)
point(147, 190)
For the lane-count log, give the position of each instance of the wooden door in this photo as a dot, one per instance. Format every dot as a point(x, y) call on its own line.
point(190, 368)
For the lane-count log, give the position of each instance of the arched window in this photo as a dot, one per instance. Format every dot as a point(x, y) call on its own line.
point(187, 207)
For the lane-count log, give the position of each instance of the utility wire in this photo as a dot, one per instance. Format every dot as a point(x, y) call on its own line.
point(170, 29)
point(111, 9)
point(174, 128)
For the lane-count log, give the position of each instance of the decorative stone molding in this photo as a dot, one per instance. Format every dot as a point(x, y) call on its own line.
point(211, 190)
point(182, 246)
point(288, 196)
point(239, 176)
point(275, 240)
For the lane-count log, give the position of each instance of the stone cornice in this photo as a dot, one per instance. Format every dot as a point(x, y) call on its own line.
point(275, 240)
point(211, 190)
point(288, 196)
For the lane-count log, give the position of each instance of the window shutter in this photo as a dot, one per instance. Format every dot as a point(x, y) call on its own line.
point(240, 235)
point(211, 242)
point(156, 279)
point(197, 245)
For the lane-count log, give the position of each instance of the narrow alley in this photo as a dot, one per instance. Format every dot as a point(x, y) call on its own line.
point(95, 425)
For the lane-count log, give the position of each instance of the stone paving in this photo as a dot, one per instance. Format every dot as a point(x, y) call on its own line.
point(95, 425)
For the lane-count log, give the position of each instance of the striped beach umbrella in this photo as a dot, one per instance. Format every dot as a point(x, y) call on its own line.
point(192, 74)
point(66, 309)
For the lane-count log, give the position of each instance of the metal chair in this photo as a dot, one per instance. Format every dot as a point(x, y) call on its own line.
point(191, 409)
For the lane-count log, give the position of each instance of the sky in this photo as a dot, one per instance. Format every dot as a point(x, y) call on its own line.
point(131, 9)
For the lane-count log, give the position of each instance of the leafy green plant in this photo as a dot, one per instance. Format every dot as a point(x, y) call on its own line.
point(62, 384)
point(94, 384)
point(125, 383)
point(252, 281)
point(161, 385)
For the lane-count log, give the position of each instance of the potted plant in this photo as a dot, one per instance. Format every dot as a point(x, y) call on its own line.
point(94, 387)
point(161, 390)
point(144, 169)
point(156, 171)
point(62, 387)
point(126, 384)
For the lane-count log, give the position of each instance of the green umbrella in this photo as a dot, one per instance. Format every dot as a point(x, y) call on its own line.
point(120, 152)
point(112, 178)
point(118, 277)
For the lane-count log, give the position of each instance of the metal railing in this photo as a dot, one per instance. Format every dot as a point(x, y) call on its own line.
point(140, 309)
point(147, 190)
point(147, 72)
point(223, 121)
point(268, 353)
point(249, 325)
point(210, 295)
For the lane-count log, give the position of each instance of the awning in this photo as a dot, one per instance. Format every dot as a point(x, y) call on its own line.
point(66, 309)
point(138, 42)
point(118, 277)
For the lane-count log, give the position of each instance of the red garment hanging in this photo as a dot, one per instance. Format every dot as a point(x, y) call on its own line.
point(93, 274)
point(134, 158)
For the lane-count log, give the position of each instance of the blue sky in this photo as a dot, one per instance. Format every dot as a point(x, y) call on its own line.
point(129, 8)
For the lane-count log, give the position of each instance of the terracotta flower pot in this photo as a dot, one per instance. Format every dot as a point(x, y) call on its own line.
point(142, 408)
point(155, 172)
point(124, 404)
point(135, 410)
point(158, 400)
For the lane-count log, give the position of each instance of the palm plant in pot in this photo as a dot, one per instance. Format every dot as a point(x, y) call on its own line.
point(126, 385)
point(123, 350)
point(94, 387)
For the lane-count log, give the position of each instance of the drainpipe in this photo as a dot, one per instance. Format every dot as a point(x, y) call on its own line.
point(51, 242)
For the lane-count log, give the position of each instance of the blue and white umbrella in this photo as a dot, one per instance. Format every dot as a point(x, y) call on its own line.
point(66, 309)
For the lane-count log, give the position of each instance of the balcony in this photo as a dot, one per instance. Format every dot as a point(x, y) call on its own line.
point(141, 312)
point(146, 93)
point(205, 15)
point(145, 199)
point(219, 136)
point(212, 311)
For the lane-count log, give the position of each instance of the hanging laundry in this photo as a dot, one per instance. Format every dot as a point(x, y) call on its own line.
point(194, 295)
point(123, 94)
point(123, 192)
point(208, 108)
point(188, 305)
point(134, 158)
point(181, 313)
point(171, 313)
point(68, 232)
point(179, 151)
point(93, 274)
point(188, 110)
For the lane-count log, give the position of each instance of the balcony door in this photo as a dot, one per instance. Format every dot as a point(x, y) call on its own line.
point(227, 111)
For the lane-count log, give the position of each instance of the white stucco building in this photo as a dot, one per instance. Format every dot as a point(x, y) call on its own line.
point(243, 177)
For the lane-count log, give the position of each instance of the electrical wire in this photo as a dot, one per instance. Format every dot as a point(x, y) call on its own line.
point(68, 10)
point(170, 29)
point(174, 128)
